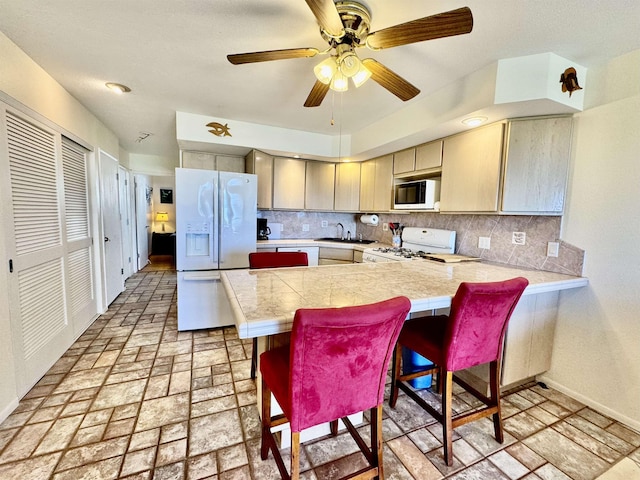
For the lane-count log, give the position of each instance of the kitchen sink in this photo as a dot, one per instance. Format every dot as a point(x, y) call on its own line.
point(338, 240)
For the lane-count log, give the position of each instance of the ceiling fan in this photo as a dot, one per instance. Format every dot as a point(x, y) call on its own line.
point(344, 25)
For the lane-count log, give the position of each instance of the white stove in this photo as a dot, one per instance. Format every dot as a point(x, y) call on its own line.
point(416, 243)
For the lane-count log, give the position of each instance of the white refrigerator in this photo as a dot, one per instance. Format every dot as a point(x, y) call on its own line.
point(215, 230)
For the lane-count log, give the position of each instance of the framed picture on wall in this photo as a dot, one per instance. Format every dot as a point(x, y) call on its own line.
point(166, 195)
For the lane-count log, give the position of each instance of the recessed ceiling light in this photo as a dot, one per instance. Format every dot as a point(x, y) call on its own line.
point(474, 121)
point(117, 88)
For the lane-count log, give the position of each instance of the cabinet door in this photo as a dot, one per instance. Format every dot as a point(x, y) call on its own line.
point(320, 183)
point(404, 161)
point(367, 185)
point(471, 164)
point(383, 184)
point(202, 160)
point(537, 162)
point(347, 195)
point(261, 164)
point(226, 163)
point(288, 183)
point(429, 155)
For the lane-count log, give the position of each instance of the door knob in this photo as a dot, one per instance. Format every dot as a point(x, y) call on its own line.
point(106, 239)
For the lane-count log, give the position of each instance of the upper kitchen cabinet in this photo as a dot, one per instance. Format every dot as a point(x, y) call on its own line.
point(471, 167)
point(289, 183)
point(404, 161)
point(211, 161)
point(320, 185)
point(261, 164)
point(347, 194)
point(429, 156)
point(536, 165)
point(376, 181)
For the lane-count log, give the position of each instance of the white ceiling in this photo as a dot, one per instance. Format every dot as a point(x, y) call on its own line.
point(172, 54)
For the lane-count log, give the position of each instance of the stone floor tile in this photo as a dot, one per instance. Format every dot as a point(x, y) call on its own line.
point(413, 459)
point(214, 431)
point(163, 411)
point(508, 465)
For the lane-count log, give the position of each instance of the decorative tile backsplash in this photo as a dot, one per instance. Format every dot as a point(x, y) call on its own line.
point(539, 230)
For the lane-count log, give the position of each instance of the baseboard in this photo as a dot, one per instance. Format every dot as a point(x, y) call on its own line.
point(7, 410)
point(629, 422)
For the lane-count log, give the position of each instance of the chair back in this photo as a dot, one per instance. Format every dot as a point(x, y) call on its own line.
point(277, 259)
point(478, 321)
point(339, 359)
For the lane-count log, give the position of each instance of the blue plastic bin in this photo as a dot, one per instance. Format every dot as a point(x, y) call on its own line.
point(413, 362)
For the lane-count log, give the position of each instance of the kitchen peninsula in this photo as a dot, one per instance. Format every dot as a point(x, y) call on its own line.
point(263, 302)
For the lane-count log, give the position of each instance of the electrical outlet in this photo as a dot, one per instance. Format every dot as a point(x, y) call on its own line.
point(385, 227)
point(552, 249)
point(484, 242)
point(519, 238)
point(324, 224)
point(305, 227)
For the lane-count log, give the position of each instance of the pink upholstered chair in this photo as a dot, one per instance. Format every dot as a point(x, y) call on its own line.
point(273, 260)
point(336, 365)
point(472, 334)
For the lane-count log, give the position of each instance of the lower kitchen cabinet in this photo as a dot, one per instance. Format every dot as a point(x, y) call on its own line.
point(312, 253)
point(528, 342)
point(334, 256)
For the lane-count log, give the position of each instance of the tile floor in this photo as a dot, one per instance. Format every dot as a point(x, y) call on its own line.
point(133, 398)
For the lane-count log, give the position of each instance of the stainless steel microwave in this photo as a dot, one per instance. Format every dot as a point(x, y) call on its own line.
point(416, 195)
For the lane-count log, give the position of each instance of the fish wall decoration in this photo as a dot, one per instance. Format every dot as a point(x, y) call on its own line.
point(569, 81)
point(219, 130)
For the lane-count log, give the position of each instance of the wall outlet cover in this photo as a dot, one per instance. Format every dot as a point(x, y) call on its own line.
point(385, 227)
point(553, 249)
point(484, 242)
point(305, 227)
point(324, 224)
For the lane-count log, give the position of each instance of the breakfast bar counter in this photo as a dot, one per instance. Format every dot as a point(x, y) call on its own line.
point(263, 302)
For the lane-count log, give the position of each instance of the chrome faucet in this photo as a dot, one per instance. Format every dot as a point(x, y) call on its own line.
point(341, 236)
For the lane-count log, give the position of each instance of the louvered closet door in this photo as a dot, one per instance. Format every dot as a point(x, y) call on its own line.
point(51, 279)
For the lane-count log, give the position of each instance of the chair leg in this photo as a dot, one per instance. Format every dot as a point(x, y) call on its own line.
point(265, 441)
point(295, 455)
point(254, 358)
point(494, 386)
point(376, 440)
point(395, 374)
point(447, 427)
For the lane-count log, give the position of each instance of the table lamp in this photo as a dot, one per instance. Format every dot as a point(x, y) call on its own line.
point(162, 217)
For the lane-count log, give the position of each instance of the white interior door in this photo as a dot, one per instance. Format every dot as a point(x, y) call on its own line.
point(143, 216)
point(111, 233)
point(126, 227)
point(46, 229)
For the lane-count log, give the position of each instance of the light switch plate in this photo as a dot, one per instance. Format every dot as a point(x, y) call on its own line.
point(324, 224)
point(305, 227)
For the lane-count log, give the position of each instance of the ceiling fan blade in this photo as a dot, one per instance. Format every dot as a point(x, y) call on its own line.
point(327, 16)
point(446, 24)
point(390, 80)
point(317, 94)
point(253, 57)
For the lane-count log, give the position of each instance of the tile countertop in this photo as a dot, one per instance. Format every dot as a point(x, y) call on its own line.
point(263, 302)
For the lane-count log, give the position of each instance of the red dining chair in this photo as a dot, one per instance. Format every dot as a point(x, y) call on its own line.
point(472, 334)
point(272, 260)
point(335, 366)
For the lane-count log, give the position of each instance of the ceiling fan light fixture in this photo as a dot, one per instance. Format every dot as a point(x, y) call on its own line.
point(339, 82)
point(349, 64)
point(325, 70)
point(362, 76)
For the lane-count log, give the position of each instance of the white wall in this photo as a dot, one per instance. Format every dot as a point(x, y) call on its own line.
point(596, 356)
